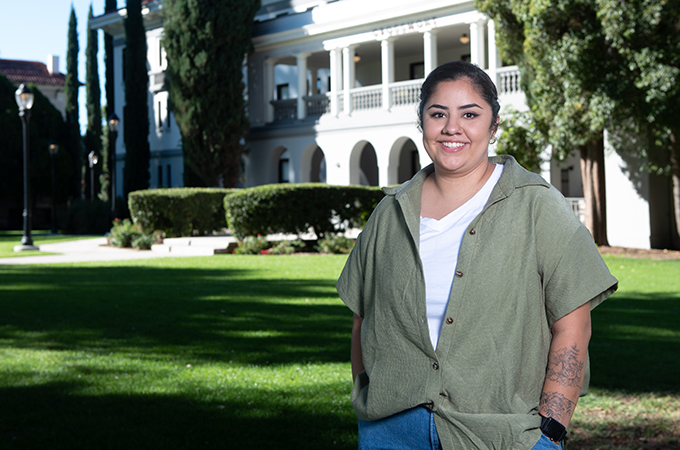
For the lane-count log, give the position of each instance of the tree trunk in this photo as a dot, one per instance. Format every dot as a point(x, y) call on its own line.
point(592, 171)
point(675, 175)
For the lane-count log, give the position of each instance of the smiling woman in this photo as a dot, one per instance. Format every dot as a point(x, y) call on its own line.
point(476, 273)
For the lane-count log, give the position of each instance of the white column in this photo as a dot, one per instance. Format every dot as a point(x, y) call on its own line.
point(477, 52)
point(387, 54)
point(493, 51)
point(430, 51)
point(269, 89)
point(348, 76)
point(302, 85)
point(313, 76)
point(336, 76)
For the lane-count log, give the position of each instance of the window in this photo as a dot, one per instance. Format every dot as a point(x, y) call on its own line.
point(284, 164)
point(282, 91)
point(417, 70)
point(160, 175)
point(169, 175)
point(160, 117)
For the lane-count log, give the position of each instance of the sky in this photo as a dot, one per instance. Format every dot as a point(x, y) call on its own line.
point(32, 29)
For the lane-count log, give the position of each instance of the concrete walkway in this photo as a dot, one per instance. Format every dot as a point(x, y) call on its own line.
point(96, 250)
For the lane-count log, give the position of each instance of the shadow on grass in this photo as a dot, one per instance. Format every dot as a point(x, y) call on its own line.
point(207, 313)
point(51, 416)
point(635, 343)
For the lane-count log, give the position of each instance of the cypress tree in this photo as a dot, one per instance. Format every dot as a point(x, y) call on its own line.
point(71, 87)
point(93, 136)
point(136, 113)
point(205, 43)
point(109, 5)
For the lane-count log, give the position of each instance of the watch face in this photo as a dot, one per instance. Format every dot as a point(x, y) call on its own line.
point(553, 429)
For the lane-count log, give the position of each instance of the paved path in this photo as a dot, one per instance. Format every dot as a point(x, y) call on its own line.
point(83, 251)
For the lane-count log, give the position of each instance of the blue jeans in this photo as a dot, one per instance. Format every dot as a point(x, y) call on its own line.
point(413, 429)
point(546, 444)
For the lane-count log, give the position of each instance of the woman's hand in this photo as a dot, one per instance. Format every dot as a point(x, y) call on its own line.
point(356, 356)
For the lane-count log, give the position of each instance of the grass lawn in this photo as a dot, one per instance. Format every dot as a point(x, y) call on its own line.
point(8, 239)
point(252, 352)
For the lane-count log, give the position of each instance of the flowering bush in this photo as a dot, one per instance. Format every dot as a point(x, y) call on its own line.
point(285, 247)
point(125, 233)
point(335, 244)
point(252, 245)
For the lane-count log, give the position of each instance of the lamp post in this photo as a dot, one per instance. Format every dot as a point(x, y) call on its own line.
point(114, 122)
point(24, 99)
point(93, 159)
point(53, 149)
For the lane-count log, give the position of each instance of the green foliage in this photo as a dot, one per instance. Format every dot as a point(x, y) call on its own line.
point(252, 245)
point(179, 211)
point(87, 217)
point(136, 115)
point(71, 86)
point(124, 233)
point(521, 139)
point(93, 135)
point(205, 44)
point(45, 124)
point(295, 208)
point(285, 247)
point(335, 244)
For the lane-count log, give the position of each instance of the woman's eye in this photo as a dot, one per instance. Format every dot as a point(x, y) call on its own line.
point(437, 115)
point(470, 115)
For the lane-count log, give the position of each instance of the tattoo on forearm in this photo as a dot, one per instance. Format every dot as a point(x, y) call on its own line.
point(556, 405)
point(565, 368)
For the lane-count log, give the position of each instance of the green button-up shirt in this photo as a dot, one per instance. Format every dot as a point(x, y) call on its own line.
point(525, 261)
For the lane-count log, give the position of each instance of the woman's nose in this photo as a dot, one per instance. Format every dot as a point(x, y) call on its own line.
point(451, 127)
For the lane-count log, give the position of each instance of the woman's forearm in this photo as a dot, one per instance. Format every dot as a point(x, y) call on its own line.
point(356, 355)
point(566, 365)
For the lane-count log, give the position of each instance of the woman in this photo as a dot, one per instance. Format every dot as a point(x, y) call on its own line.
point(471, 287)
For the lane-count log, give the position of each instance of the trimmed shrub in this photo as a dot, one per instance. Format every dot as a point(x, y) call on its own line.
point(335, 244)
point(179, 211)
point(295, 208)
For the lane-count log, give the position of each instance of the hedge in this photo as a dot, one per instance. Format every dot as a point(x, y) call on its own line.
point(295, 208)
point(179, 211)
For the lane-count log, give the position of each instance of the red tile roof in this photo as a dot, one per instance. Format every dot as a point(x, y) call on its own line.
point(30, 72)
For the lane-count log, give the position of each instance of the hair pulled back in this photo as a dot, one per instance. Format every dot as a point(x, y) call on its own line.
point(453, 71)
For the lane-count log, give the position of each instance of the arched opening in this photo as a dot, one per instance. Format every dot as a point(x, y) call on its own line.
point(274, 164)
point(363, 168)
point(313, 165)
point(404, 161)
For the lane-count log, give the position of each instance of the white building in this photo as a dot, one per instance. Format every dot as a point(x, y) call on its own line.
point(333, 88)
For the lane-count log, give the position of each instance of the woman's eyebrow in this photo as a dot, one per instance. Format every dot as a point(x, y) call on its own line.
point(437, 107)
point(471, 105)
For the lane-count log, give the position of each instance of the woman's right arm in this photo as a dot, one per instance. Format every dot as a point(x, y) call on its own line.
point(356, 356)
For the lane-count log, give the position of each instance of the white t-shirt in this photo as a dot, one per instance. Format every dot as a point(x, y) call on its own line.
point(439, 246)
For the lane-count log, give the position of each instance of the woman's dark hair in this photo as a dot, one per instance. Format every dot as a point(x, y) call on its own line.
point(456, 70)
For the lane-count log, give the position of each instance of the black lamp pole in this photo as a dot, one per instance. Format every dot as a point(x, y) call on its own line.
point(114, 122)
point(93, 159)
point(53, 149)
point(24, 99)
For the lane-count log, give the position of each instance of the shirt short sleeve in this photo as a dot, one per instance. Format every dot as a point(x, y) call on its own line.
point(351, 282)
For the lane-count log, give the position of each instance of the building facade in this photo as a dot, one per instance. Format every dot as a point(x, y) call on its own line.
point(332, 94)
point(46, 78)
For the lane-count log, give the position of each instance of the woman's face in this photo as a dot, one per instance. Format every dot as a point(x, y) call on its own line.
point(457, 128)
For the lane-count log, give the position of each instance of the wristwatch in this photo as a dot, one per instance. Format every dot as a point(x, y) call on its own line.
point(554, 430)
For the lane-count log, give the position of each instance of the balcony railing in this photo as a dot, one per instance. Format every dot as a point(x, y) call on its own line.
point(405, 93)
point(578, 205)
point(402, 93)
point(366, 98)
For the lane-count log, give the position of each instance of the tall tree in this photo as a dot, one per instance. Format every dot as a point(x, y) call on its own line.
point(71, 86)
point(645, 34)
point(557, 45)
point(93, 136)
point(109, 5)
point(205, 43)
point(136, 120)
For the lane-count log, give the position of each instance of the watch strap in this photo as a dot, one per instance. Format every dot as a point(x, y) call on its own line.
point(553, 429)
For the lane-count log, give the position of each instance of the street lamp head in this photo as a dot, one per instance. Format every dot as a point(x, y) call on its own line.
point(93, 159)
point(114, 122)
point(53, 148)
point(24, 98)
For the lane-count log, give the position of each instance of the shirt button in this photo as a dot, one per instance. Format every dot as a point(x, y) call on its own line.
point(435, 366)
point(449, 320)
point(472, 231)
point(459, 274)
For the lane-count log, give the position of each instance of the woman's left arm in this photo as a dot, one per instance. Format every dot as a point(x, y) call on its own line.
point(566, 365)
